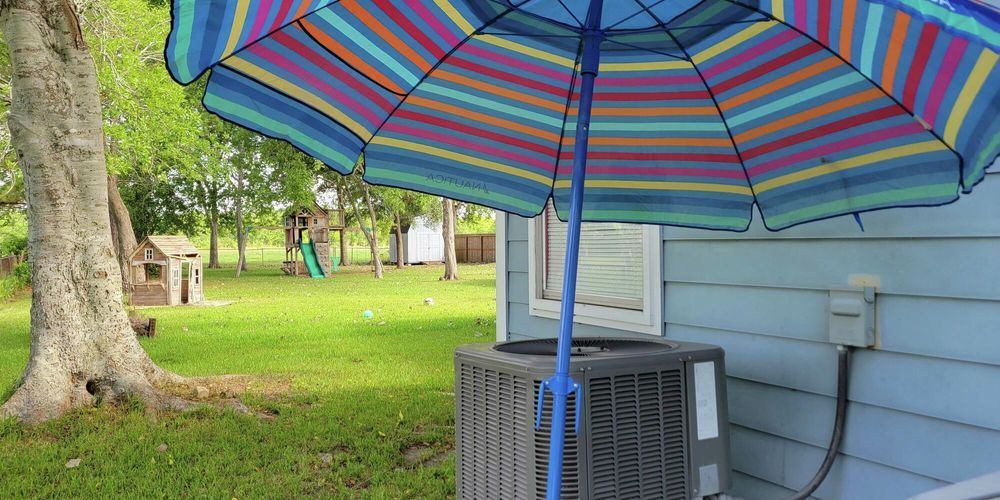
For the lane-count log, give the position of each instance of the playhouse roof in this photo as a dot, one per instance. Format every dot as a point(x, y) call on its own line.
point(175, 246)
point(315, 208)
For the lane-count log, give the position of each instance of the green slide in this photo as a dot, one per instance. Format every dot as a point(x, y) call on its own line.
point(309, 257)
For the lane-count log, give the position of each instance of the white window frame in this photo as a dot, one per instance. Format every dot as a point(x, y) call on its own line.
point(648, 320)
point(148, 254)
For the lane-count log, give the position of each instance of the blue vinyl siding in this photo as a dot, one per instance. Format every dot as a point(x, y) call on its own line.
point(924, 406)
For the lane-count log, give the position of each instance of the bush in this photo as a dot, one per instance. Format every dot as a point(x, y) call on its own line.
point(13, 244)
point(13, 233)
point(22, 272)
point(17, 280)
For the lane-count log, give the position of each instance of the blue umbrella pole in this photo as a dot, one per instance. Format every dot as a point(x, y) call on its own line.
point(561, 384)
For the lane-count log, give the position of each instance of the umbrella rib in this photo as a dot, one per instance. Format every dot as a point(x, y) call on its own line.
point(277, 91)
point(645, 9)
point(577, 19)
point(637, 47)
point(562, 132)
point(431, 70)
point(961, 160)
point(268, 34)
point(722, 117)
point(335, 55)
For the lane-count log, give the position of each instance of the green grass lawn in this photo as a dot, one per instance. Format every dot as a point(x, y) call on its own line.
point(368, 410)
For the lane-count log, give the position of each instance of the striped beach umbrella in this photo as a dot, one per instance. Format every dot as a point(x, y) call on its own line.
point(676, 112)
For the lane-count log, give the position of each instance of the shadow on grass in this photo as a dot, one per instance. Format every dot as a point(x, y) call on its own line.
point(378, 442)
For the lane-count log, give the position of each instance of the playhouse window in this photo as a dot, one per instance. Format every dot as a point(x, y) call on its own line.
point(197, 276)
point(175, 275)
point(315, 221)
point(148, 254)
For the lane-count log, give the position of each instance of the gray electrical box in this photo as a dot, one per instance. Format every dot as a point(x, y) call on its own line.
point(852, 316)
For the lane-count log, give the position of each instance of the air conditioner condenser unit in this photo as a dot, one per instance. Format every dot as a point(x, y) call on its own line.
point(654, 423)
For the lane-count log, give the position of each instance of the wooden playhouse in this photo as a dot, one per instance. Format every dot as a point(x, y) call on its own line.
point(307, 240)
point(166, 271)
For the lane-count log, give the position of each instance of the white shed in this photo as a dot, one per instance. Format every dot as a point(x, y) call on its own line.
point(423, 241)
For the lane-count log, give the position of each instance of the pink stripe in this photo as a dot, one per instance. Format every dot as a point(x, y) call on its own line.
point(258, 23)
point(516, 63)
point(338, 96)
point(944, 78)
point(750, 53)
point(488, 151)
point(619, 81)
point(434, 22)
point(801, 17)
point(840, 146)
point(282, 16)
point(687, 172)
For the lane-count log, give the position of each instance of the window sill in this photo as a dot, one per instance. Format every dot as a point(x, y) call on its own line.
point(629, 320)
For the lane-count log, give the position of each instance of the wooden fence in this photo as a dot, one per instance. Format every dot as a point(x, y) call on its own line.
point(476, 248)
point(8, 263)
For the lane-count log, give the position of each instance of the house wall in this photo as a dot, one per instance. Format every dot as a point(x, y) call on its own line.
point(923, 407)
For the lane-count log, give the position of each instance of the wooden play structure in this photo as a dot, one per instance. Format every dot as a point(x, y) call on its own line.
point(166, 271)
point(307, 240)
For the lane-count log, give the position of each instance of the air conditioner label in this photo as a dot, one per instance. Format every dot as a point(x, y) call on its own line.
point(706, 410)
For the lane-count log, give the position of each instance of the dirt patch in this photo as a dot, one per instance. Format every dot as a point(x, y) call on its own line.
point(425, 456)
point(212, 303)
point(204, 303)
point(227, 386)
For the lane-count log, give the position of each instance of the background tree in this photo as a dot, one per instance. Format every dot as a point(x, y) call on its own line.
point(404, 207)
point(82, 345)
point(357, 194)
point(263, 174)
point(11, 182)
point(448, 230)
point(342, 205)
point(151, 128)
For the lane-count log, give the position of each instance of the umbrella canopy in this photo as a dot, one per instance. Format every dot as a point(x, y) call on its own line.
point(680, 112)
point(811, 109)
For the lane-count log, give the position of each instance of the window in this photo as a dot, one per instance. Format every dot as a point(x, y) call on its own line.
point(149, 254)
point(175, 276)
point(618, 279)
point(197, 276)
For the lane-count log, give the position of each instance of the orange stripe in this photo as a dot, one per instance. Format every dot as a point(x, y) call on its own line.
point(780, 83)
point(303, 8)
point(358, 63)
point(372, 23)
point(831, 107)
point(895, 49)
point(656, 111)
point(569, 140)
point(500, 91)
point(482, 118)
point(847, 28)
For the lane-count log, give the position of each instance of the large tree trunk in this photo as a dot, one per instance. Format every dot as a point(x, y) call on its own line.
point(122, 233)
point(345, 252)
point(82, 346)
point(400, 249)
point(450, 259)
point(373, 234)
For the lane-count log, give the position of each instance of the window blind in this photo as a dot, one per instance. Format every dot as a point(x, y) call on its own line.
point(610, 265)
